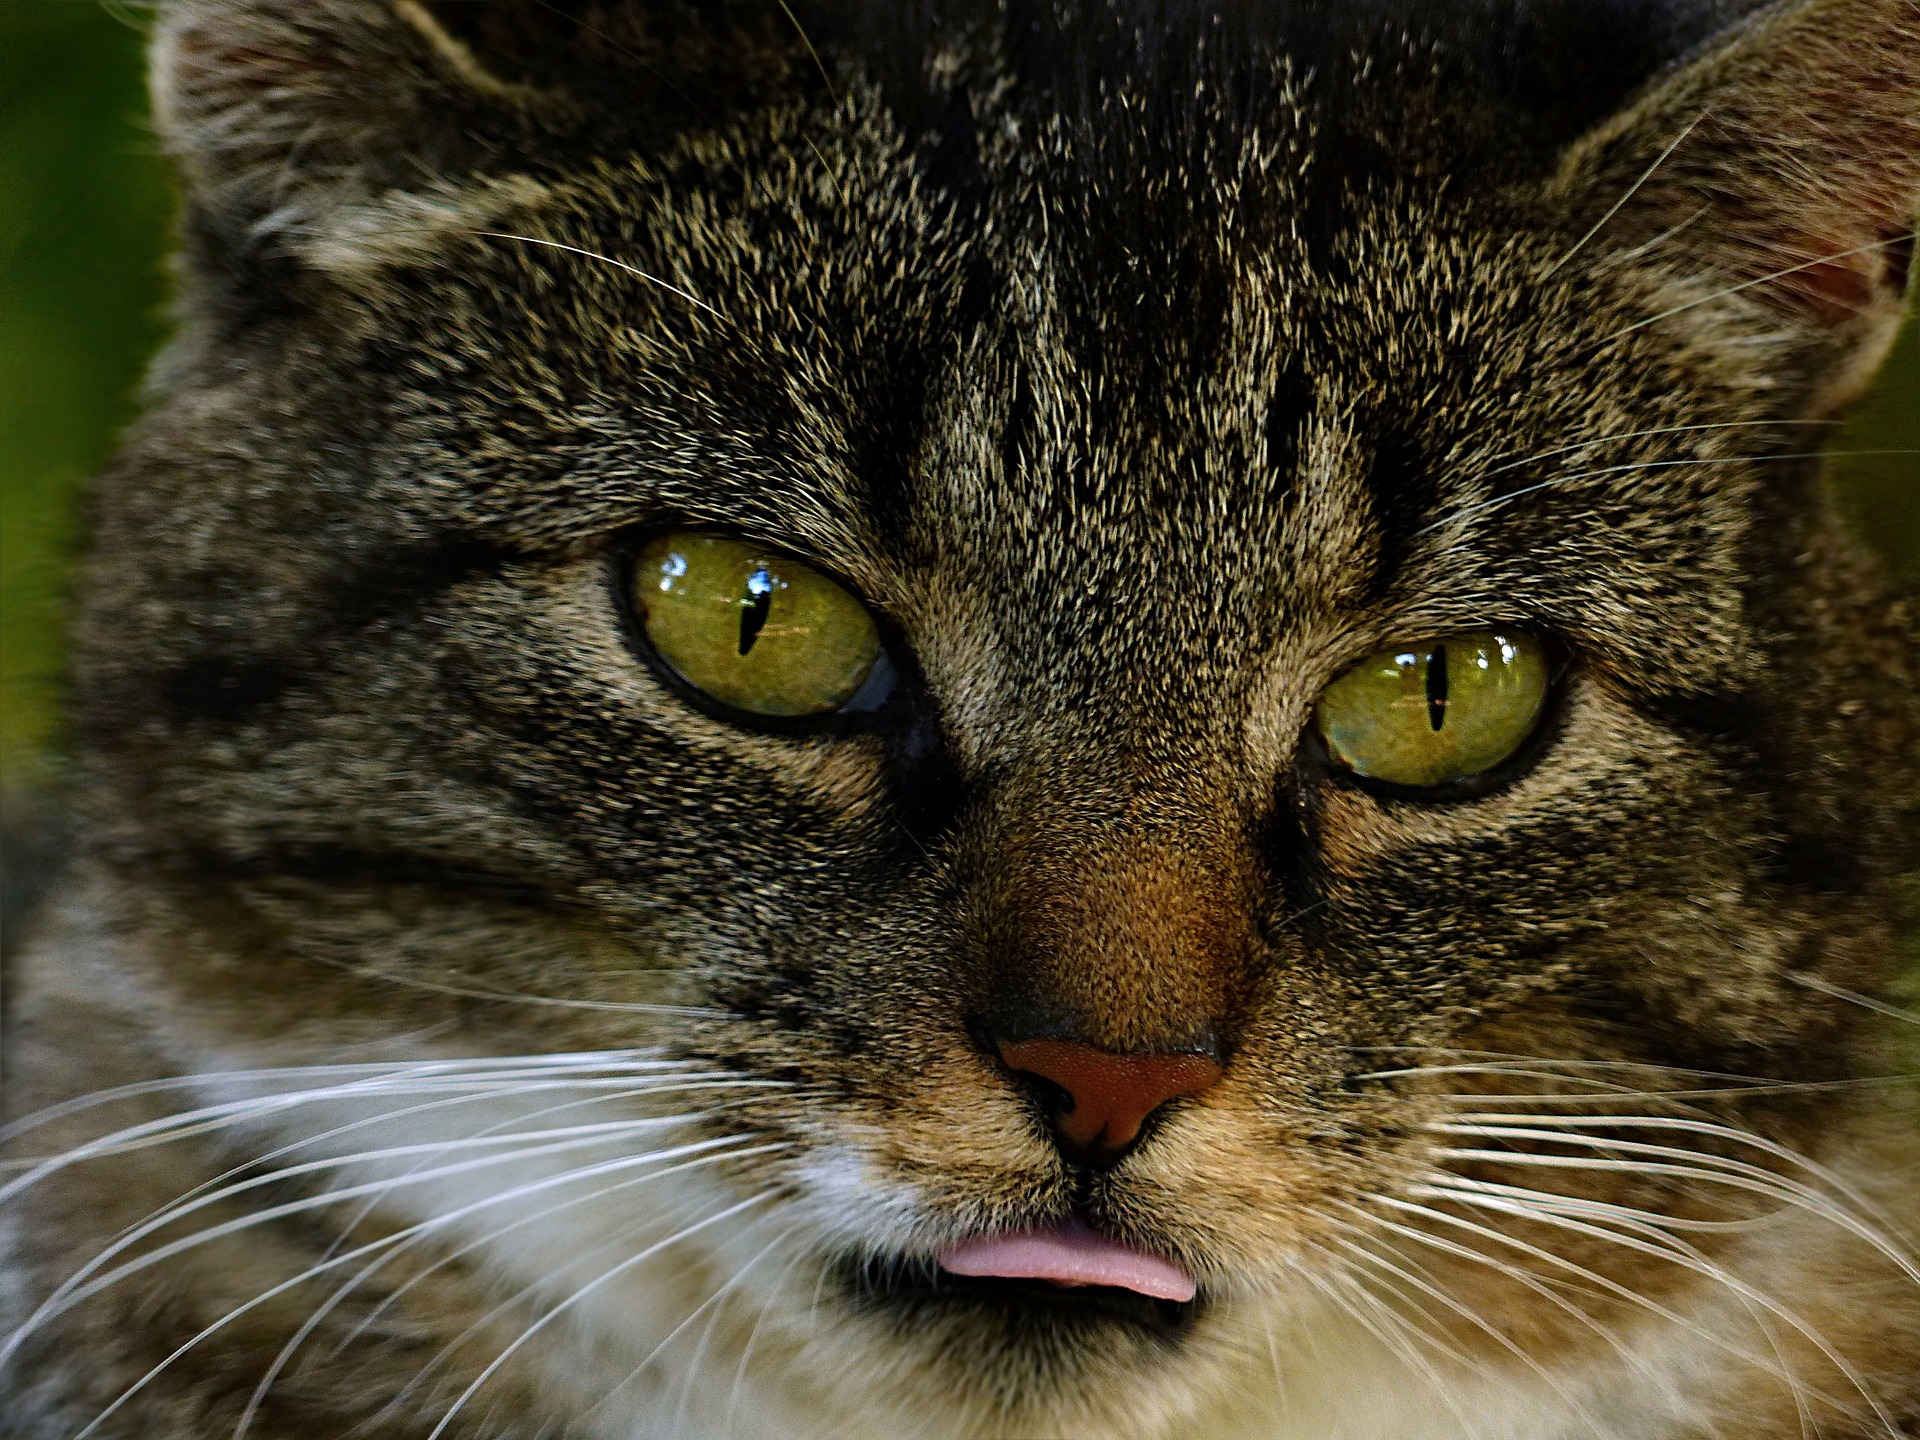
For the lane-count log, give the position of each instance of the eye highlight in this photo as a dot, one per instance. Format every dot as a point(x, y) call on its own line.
point(756, 631)
point(1438, 711)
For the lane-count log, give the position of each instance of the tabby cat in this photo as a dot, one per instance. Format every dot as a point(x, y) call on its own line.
point(1019, 718)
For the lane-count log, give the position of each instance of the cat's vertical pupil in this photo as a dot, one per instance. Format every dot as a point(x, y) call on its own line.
point(754, 607)
point(1436, 687)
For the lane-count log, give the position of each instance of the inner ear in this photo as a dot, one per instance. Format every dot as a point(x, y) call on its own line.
point(1844, 281)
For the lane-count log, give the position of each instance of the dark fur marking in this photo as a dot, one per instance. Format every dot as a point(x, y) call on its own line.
point(1736, 721)
point(953, 160)
point(1405, 492)
point(1288, 410)
point(925, 790)
point(224, 690)
point(395, 582)
point(1821, 864)
point(344, 865)
point(231, 689)
point(891, 412)
point(1016, 438)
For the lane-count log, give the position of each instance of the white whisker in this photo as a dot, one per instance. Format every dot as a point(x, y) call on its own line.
point(509, 1302)
point(1479, 1322)
point(1771, 1186)
point(387, 1242)
point(497, 1133)
point(88, 1281)
point(1854, 997)
point(1558, 1211)
point(1727, 1086)
point(807, 40)
point(1632, 190)
point(1392, 1331)
point(1533, 1283)
point(712, 1302)
point(453, 1256)
point(526, 1336)
point(1511, 462)
point(521, 997)
point(499, 1127)
point(666, 285)
point(1548, 1257)
point(437, 1078)
point(1480, 507)
point(1385, 1281)
point(1559, 1126)
point(753, 1335)
point(1585, 1275)
point(1627, 257)
point(1818, 260)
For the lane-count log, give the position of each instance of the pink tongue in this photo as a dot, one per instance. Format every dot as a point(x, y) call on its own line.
point(1068, 1254)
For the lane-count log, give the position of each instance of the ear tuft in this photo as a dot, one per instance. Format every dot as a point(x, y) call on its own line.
point(1782, 166)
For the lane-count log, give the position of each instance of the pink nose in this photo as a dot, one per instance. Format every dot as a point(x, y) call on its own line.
point(1112, 1095)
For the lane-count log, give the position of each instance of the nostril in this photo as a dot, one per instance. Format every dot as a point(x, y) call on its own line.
point(1051, 1097)
point(1108, 1096)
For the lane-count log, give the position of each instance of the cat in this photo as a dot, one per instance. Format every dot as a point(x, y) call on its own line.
point(1027, 718)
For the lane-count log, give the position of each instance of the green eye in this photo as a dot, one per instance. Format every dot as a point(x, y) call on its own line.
point(1441, 710)
point(753, 629)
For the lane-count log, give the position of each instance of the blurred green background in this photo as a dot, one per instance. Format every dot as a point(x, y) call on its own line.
point(84, 208)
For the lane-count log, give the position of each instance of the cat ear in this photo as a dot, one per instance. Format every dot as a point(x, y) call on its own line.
point(283, 114)
point(278, 110)
point(1781, 168)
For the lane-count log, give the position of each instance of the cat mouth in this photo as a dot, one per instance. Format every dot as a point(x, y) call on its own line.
point(1067, 1273)
point(1069, 1255)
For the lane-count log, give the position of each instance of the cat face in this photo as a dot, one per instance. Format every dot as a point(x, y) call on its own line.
point(1135, 406)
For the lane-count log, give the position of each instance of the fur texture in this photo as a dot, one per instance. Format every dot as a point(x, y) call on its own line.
point(511, 1048)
